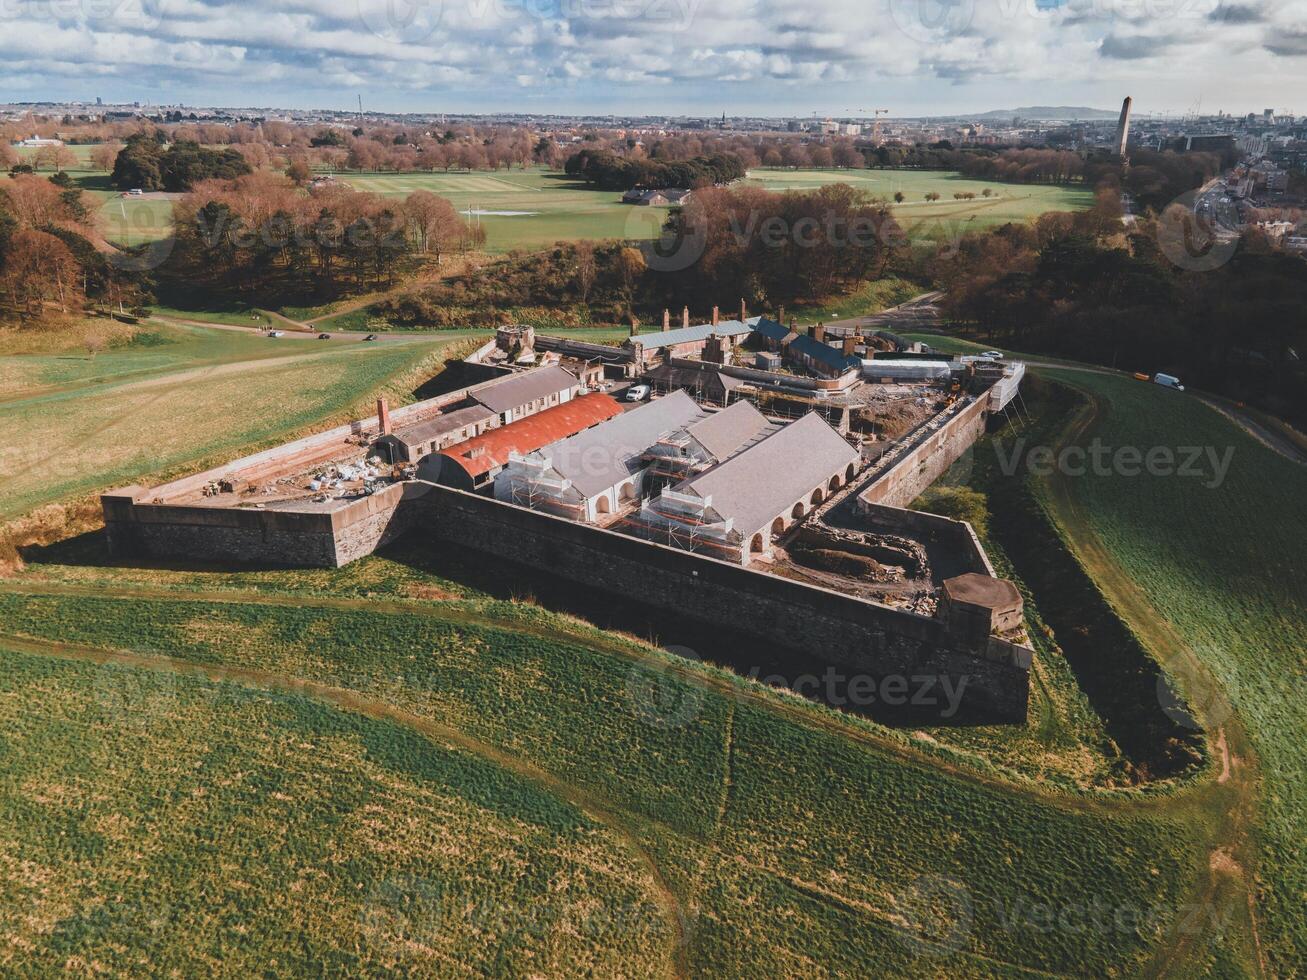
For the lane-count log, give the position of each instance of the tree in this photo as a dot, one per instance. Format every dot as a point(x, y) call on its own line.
point(39, 269)
point(899, 197)
point(298, 171)
point(103, 155)
point(586, 270)
point(432, 223)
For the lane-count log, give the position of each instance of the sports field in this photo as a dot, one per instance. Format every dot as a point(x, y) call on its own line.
point(536, 208)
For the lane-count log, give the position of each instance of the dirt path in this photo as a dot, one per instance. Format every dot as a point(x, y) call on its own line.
point(1229, 801)
point(594, 807)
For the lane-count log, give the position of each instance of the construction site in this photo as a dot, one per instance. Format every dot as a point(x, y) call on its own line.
point(800, 476)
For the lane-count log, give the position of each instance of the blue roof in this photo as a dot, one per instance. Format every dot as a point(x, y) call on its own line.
point(771, 329)
point(831, 356)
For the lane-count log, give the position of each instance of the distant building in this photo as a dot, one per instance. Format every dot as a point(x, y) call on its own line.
point(1123, 128)
point(520, 395)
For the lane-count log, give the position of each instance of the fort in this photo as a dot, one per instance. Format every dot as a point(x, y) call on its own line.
point(781, 528)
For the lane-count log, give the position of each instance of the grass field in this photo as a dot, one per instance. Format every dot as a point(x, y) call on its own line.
point(1212, 575)
point(556, 207)
point(764, 816)
point(302, 771)
point(173, 396)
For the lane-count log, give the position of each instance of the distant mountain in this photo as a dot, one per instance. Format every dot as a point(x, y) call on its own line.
point(1046, 112)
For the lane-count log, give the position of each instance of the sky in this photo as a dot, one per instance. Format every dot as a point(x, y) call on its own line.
point(699, 57)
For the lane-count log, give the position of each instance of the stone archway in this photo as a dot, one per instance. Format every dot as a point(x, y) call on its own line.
point(627, 492)
point(798, 511)
point(778, 525)
point(834, 483)
point(602, 506)
point(816, 497)
point(850, 472)
point(756, 545)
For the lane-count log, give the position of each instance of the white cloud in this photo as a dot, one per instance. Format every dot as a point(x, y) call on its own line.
point(589, 50)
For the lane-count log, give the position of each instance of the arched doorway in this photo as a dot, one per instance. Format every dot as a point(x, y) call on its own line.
point(778, 525)
point(834, 483)
point(756, 544)
point(849, 473)
point(627, 492)
point(797, 512)
point(815, 499)
point(603, 506)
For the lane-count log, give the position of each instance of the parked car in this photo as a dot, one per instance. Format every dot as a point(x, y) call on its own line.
point(370, 336)
point(324, 336)
point(275, 333)
point(637, 393)
point(996, 354)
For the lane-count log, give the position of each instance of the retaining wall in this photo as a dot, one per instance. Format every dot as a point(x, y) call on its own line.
point(927, 461)
point(832, 629)
point(312, 539)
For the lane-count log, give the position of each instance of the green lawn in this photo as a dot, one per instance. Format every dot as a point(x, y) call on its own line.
point(175, 396)
point(764, 817)
point(560, 208)
point(1220, 563)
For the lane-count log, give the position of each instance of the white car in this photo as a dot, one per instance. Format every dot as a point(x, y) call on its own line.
point(275, 333)
point(996, 354)
point(637, 393)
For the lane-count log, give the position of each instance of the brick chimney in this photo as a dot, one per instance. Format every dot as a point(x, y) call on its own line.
point(819, 332)
point(383, 417)
point(635, 327)
point(667, 320)
point(744, 310)
point(780, 314)
point(716, 316)
point(850, 342)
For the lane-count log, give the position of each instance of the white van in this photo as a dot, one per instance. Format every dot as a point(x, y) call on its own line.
point(1168, 381)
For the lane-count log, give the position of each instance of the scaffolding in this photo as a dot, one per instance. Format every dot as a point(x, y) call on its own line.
point(688, 522)
point(532, 482)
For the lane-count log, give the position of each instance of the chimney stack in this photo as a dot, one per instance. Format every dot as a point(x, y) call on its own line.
point(667, 320)
point(383, 417)
point(780, 314)
point(850, 343)
point(819, 332)
point(744, 310)
point(685, 316)
point(716, 316)
point(635, 327)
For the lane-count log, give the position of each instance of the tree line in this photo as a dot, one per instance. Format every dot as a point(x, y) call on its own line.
point(1084, 286)
point(51, 264)
point(726, 244)
point(607, 171)
point(259, 235)
point(150, 163)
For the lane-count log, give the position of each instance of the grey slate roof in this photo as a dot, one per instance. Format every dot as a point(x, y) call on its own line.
point(601, 457)
point(433, 428)
point(825, 353)
point(726, 432)
point(765, 480)
point(521, 389)
point(686, 335)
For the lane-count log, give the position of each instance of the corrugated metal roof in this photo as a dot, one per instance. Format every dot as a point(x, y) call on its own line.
point(602, 457)
point(522, 389)
point(766, 479)
point(723, 433)
point(529, 434)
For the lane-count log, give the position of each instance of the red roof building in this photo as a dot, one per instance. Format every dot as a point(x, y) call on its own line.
point(472, 464)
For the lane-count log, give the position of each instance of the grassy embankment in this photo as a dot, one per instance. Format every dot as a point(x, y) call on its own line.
point(172, 397)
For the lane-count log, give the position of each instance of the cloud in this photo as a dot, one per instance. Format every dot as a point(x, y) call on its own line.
point(589, 50)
